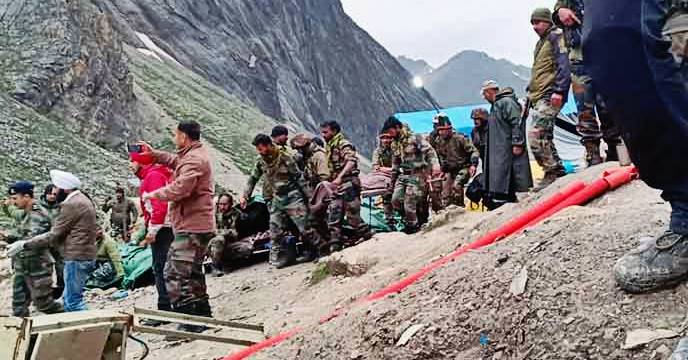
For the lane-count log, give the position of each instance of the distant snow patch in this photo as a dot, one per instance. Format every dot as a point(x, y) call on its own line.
point(154, 50)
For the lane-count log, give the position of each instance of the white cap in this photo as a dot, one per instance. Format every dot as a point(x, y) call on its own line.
point(438, 116)
point(489, 84)
point(64, 180)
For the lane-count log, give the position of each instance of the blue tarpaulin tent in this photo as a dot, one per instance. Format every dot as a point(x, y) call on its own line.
point(421, 121)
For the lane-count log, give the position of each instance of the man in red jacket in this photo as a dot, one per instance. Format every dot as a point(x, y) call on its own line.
point(192, 214)
point(158, 230)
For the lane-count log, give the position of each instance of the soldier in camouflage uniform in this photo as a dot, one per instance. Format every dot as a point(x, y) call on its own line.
point(289, 204)
point(32, 279)
point(568, 14)
point(414, 160)
point(459, 160)
point(343, 161)
point(48, 202)
point(316, 170)
point(226, 216)
point(547, 93)
point(382, 162)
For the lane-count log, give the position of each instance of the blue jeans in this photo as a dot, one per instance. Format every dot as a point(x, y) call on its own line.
point(75, 275)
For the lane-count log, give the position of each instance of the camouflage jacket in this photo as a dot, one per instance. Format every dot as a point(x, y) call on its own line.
point(226, 223)
point(383, 157)
point(279, 170)
point(412, 154)
point(316, 166)
point(27, 226)
point(339, 152)
point(52, 209)
point(456, 153)
point(574, 34)
point(551, 67)
point(108, 250)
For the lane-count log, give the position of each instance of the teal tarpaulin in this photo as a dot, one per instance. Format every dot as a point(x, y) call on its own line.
point(137, 262)
point(421, 121)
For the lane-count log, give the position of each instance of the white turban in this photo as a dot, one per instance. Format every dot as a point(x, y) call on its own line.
point(64, 180)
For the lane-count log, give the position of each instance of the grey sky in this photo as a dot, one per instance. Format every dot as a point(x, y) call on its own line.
point(435, 30)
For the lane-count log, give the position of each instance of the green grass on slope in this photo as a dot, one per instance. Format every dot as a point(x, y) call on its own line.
point(33, 144)
point(228, 124)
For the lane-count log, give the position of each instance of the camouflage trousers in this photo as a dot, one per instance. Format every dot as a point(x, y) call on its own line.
point(184, 276)
point(588, 101)
point(217, 247)
point(453, 187)
point(388, 208)
point(541, 137)
point(119, 230)
point(409, 192)
point(32, 282)
point(59, 266)
point(346, 205)
point(286, 213)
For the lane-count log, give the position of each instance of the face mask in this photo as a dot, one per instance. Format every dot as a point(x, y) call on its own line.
point(61, 196)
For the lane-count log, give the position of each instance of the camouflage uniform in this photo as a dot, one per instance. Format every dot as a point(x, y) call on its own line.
point(316, 170)
point(53, 210)
point(32, 267)
point(456, 155)
point(184, 270)
point(226, 236)
point(412, 162)
point(588, 100)
point(551, 74)
point(289, 204)
point(383, 157)
point(347, 199)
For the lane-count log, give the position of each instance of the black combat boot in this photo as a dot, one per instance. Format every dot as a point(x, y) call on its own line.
point(592, 153)
point(656, 264)
point(197, 308)
point(309, 253)
point(612, 152)
point(216, 270)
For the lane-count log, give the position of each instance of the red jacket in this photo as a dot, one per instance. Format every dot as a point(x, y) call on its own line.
point(154, 177)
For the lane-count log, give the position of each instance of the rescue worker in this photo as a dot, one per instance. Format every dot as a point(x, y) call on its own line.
point(547, 93)
point(74, 230)
point(651, 106)
point(479, 132)
point(226, 216)
point(507, 167)
point(123, 215)
point(343, 161)
point(48, 202)
point(414, 159)
point(109, 270)
point(568, 15)
point(382, 162)
point(280, 137)
point(158, 231)
point(459, 161)
point(289, 205)
point(32, 280)
point(316, 170)
point(192, 215)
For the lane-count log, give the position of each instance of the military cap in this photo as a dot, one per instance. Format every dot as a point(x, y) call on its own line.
point(21, 187)
point(541, 14)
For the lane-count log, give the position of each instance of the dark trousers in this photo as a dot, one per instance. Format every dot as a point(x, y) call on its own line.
point(160, 248)
point(624, 37)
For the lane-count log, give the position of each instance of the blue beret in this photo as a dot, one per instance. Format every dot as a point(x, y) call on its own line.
point(21, 187)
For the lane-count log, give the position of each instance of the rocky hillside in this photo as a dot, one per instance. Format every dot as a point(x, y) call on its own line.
point(416, 67)
point(72, 93)
point(300, 61)
point(458, 81)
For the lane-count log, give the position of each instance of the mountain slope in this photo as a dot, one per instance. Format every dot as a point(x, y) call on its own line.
point(303, 61)
point(416, 67)
point(458, 81)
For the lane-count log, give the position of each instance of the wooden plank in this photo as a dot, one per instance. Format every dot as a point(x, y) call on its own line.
point(193, 336)
point(83, 342)
point(14, 338)
point(64, 320)
point(114, 347)
point(192, 320)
